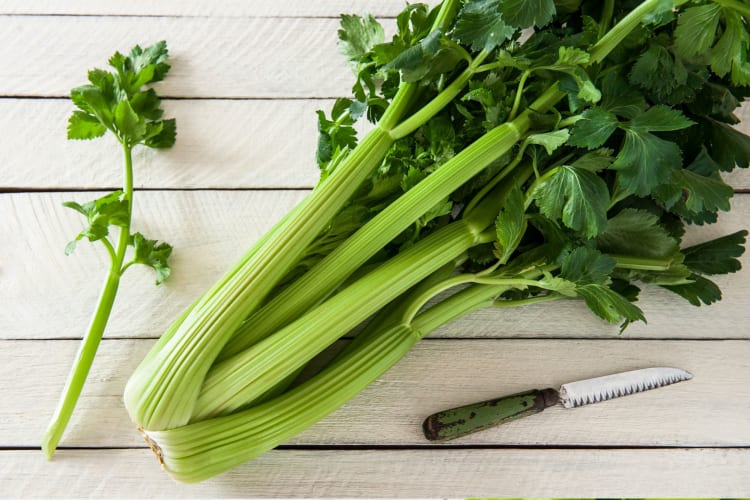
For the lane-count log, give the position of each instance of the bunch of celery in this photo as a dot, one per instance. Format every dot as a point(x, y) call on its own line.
point(523, 151)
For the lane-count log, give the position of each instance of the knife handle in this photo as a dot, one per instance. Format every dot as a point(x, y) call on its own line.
point(457, 422)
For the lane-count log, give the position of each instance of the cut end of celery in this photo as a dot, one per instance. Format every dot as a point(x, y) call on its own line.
point(49, 445)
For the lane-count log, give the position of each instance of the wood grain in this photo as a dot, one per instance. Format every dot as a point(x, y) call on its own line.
point(215, 57)
point(220, 144)
point(48, 295)
point(436, 375)
point(225, 8)
point(452, 473)
point(255, 143)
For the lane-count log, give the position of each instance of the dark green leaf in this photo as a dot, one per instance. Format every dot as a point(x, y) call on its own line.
point(149, 64)
point(166, 136)
point(660, 118)
point(570, 61)
point(621, 98)
point(147, 104)
point(593, 129)
point(584, 266)
point(527, 13)
point(645, 161)
point(576, 196)
point(658, 72)
point(90, 99)
point(701, 290)
point(480, 24)
point(596, 160)
point(116, 101)
point(610, 305)
point(637, 233)
point(718, 256)
point(727, 146)
point(688, 191)
point(696, 29)
point(730, 54)
point(510, 224)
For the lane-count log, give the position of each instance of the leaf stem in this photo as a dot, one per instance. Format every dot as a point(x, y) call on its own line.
point(439, 101)
point(110, 250)
point(82, 365)
point(641, 263)
point(529, 301)
point(621, 30)
point(735, 5)
point(90, 344)
point(519, 94)
point(607, 11)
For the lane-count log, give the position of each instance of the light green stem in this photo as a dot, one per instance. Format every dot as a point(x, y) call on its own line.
point(239, 380)
point(440, 101)
point(161, 394)
point(740, 7)
point(398, 216)
point(519, 94)
point(621, 30)
point(91, 340)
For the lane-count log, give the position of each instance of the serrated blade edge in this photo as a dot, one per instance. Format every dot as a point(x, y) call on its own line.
point(595, 390)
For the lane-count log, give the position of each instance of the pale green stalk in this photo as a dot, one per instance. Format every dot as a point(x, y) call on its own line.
point(237, 381)
point(91, 340)
point(162, 392)
point(384, 227)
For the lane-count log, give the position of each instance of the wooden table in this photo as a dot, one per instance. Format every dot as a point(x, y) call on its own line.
point(246, 79)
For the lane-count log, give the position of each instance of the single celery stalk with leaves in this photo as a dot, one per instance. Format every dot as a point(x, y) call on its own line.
point(115, 101)
point(525, 151)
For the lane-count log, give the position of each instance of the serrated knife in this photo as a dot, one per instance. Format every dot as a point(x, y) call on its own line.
point(457, 422)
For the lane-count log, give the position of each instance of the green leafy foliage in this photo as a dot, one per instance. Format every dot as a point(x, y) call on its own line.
point(576, 196)
point(590, 271)
point(699, 291)
point(480, 25)
point(153, 254)
point(610, 305)
point(115, 101)
point(586, 266)
point(527, 13)
point(645, 160)
point(719, 256)
point(337, 134)
point(109, 210)
point(593, 129)
point(664, 76)
point(717, 32)
point(510, 224)
point(637, 233)
point(358, 35)
point(550, 141)
point(558, 148)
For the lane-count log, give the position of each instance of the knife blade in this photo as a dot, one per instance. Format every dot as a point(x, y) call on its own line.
point(457, 422)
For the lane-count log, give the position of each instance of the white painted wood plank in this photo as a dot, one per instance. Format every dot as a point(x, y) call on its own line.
point(436, 375)
point(220, 144)
point(48, 295)
point(224, 8)
point(209, 230)
point(452, 473)
point(210, 57)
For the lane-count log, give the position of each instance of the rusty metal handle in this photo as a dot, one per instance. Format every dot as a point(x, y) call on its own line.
point(457, 422)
